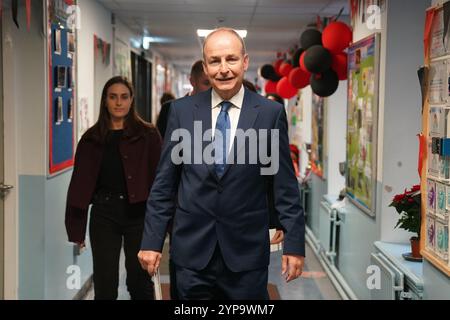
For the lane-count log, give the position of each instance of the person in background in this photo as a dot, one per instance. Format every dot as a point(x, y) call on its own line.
point(161, 122)
point(115, 165)
point(249, 85)
point(199, 82)
point(166, 96)
point(275, 97)
point(220, 243)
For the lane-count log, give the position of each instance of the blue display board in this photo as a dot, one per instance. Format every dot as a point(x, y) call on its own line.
point(62, 103)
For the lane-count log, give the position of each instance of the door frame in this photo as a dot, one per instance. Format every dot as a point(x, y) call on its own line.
point(11, 220)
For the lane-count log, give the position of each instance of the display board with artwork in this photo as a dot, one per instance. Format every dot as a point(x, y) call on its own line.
point(318, 137)
point(62, 86)
point(362, 122)
point(436, 129)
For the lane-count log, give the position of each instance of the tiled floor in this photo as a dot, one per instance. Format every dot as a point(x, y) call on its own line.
point(313, 285)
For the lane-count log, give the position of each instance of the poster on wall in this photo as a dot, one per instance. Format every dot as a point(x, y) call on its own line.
point(317, 138)
point(437, 33)
point(61, 39)
point(122, 59)
point(362, 122)
point(438, 82)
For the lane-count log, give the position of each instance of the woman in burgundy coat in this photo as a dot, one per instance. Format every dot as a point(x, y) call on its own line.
point(115, 165)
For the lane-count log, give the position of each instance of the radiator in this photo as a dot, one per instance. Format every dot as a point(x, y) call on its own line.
point(391, 282)
point(328, 225)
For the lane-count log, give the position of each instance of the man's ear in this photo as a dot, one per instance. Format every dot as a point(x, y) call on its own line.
point(246, 61)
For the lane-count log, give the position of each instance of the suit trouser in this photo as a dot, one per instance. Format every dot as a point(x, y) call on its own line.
point(217, 281)
point(113, 219)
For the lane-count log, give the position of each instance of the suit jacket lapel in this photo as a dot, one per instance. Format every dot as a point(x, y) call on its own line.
point(249, 113)
point(202, 113)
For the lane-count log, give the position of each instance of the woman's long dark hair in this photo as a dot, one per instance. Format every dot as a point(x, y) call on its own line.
point(133, 123)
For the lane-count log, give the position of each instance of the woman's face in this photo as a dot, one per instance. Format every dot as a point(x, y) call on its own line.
point(118, 101)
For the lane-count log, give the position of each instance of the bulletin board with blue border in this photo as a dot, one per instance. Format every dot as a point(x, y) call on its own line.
point(62, 87)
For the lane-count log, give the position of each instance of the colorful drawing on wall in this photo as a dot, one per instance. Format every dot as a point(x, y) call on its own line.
point(431, 232)
point(84, 121)
point(362, 122)
point(317, 143)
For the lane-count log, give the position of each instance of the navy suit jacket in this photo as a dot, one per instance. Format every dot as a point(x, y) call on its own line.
point(231, 211)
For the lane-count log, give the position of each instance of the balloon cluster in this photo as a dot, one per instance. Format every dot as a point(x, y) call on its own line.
point(320, 62)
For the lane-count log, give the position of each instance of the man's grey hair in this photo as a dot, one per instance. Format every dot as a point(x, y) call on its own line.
point(230, 30)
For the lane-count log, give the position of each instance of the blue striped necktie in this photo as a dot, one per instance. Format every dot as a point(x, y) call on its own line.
point(221, 141)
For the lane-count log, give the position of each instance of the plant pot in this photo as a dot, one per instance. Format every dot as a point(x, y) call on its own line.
point(415, 248)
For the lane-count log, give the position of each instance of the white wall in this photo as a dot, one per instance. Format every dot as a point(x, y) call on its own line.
point(336, 110)
point(402, 109)
point(306, 103)
point(95, 19)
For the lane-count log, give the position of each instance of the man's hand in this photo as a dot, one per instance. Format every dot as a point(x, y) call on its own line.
point(277, 237)
point(149, 260)
point(292, 266)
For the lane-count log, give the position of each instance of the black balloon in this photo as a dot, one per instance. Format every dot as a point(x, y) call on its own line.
point(268, 72)
point(310, 37)
point(325, 84)
point(296, 57)
point(318, 59)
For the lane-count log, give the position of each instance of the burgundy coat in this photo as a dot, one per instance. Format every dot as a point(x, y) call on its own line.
point(140, 151)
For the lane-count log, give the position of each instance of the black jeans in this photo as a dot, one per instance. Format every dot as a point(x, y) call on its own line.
point(113, 219)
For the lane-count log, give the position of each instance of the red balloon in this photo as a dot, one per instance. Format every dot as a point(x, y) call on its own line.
point(299, 78)
point(340, 65)
point(270, 87)
point(336, 37)
point(302, 62)
point(285, 68)
point(285, 89)
point(277, 64)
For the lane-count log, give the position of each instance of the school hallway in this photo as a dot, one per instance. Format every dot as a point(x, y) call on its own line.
point(313, 284)
point(358, 89)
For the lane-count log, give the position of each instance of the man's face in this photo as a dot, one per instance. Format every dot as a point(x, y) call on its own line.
point(200, 83)
point(224, 63)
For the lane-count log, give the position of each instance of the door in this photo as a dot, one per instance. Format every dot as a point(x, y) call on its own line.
point(142, 78)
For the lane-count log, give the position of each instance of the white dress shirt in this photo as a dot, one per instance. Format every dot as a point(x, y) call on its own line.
point(234, 112)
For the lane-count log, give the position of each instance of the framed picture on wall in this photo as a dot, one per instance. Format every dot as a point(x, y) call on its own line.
point(70, 44)
point(362, 122)
point(59, 118)
point(70, 110)
point(317, 142)
point(57, 41)
point(61, 77)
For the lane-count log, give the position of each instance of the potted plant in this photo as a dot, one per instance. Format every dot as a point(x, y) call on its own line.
point(408, 206)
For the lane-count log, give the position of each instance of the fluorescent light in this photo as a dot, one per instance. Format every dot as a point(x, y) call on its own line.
point(146, 42)
point(204, 32)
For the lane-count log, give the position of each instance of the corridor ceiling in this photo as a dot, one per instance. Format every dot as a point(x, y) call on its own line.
point(273, 25)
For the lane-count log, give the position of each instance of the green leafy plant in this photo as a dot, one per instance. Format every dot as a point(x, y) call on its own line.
point(408, 206)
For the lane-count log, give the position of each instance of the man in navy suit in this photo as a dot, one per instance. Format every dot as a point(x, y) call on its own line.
point(220, 243)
